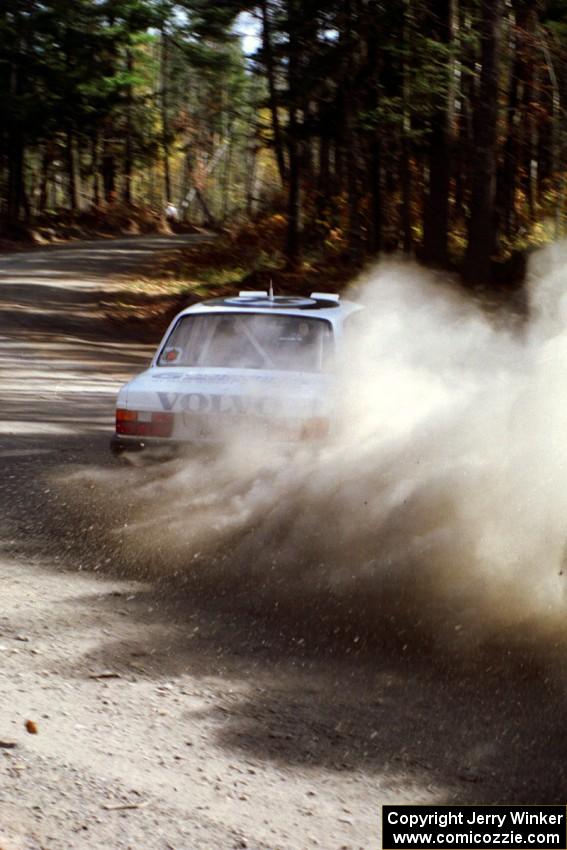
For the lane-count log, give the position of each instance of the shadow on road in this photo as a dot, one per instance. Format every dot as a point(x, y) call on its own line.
point(308, 681)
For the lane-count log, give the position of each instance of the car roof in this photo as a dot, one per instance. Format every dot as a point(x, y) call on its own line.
point(321, 305)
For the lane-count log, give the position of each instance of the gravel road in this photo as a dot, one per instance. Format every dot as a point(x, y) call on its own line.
point(163, 720)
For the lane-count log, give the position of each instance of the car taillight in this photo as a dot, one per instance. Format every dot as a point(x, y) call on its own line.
point(315, 428)
point(143, 423)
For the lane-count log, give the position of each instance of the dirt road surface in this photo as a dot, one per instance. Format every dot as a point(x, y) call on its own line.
point(170, 721)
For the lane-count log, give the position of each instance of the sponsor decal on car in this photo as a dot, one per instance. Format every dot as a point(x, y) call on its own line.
point(263, 406)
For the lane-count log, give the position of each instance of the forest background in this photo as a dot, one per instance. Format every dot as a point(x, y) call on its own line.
point(332, 132)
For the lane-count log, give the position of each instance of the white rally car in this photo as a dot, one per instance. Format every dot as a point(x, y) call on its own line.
point(256, 364)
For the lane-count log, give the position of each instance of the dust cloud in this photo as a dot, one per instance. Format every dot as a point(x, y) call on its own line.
point(440, 502)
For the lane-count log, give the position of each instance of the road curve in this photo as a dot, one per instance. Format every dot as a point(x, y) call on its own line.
point(158, 726)
point(60, 360)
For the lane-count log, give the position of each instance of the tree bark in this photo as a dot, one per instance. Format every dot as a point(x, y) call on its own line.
point(16, 190)
point(405, 159)
point(437, 201)
point(44, 178)
point(406, 182)
point(164, 116)
point(227, 175)
point(507, 183)
point(376, 221)
point(128, 146)
point(293, 246)
point(72, 182)
point(95, 169)
point(477, 266)
point(324, 174)
point(209, 218)
point(531, 144)
point(108, 171)
point(272, 90)
point(463, 148)
point(252, 166)
point(15, 200)
point(374, 144)
point(351, 150)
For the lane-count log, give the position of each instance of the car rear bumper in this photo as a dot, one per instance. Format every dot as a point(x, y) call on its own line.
point(120, 444)
point(314, 431)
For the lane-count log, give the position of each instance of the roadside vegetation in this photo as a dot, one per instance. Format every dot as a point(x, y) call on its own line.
point(250, 256)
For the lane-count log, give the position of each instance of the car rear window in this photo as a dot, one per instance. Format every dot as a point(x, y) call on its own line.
point(249, 341)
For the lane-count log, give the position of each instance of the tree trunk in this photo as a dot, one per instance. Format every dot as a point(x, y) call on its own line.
point(477, 266)
point(44, 179)
point(227, 176)
point(508, 178)
point(351, 149)
point(531, 144)
point(353, 188)
point(128, 147)
point(95, 169)
point(72, 182)
point(208, 216)
point(272, 91)
point(556, 137)
point(252, 165)
point(338, 143)
point(374, 143)
point(405, 160)
point(376, 220)
point(108, 170)
point(15, 200)
point(436, 209)
point(462, 151)
point(165, 141)
point(293, 247)
point(324, 175)
point(406, 182)
point(16, 191)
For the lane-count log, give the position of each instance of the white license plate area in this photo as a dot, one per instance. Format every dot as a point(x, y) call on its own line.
point(203, 428)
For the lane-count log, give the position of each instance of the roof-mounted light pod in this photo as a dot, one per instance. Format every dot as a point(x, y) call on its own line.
point(326, 296)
